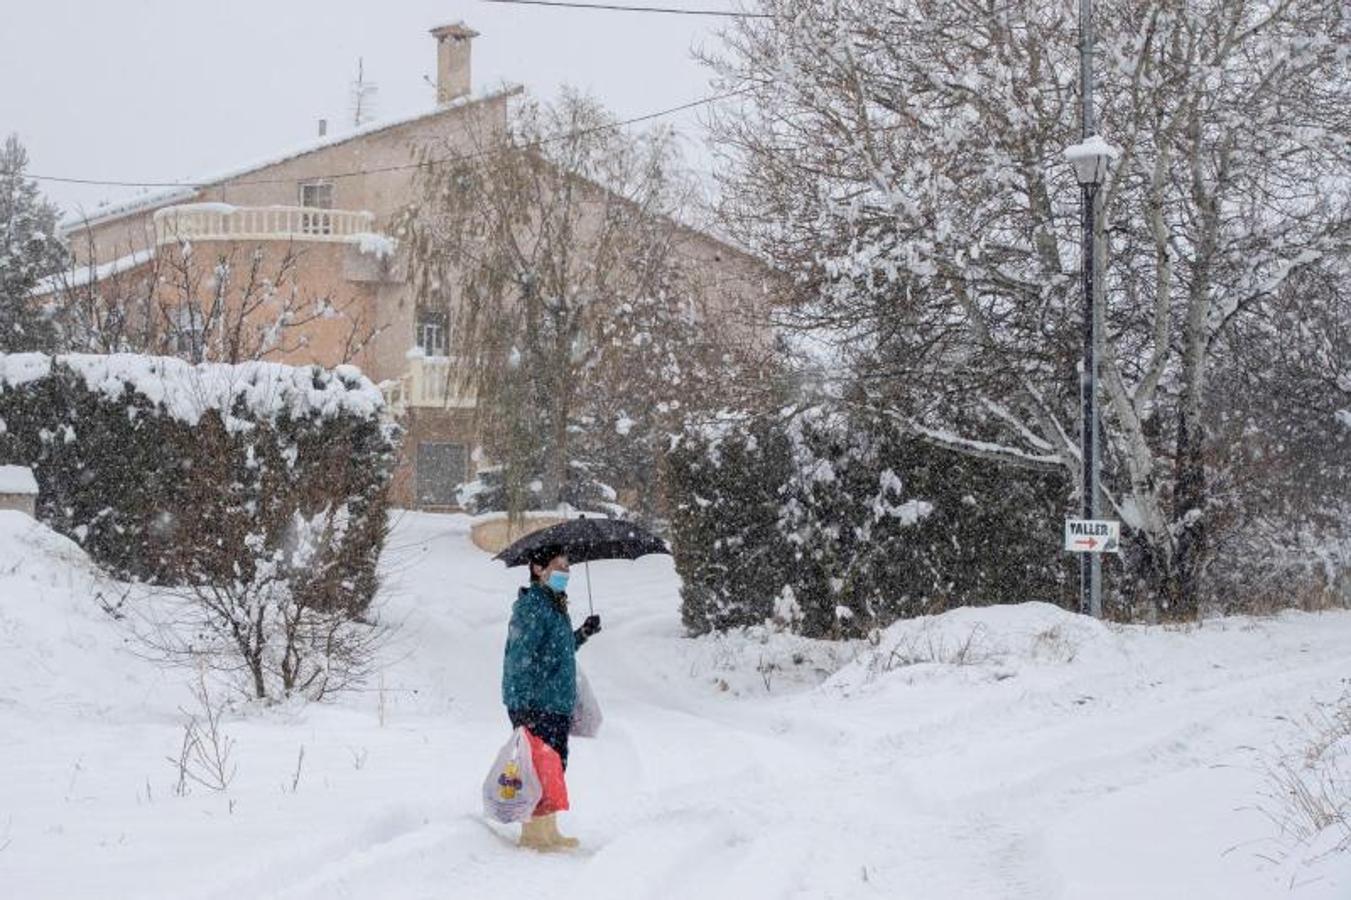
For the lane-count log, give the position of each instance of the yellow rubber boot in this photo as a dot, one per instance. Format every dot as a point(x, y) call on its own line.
point(557, 839)
point(536, 834)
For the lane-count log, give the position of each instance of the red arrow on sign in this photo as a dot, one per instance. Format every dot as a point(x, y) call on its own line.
point(1090, 543)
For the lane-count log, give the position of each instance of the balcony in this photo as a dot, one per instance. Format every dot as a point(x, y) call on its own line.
point(223, 222)
point(429, 383)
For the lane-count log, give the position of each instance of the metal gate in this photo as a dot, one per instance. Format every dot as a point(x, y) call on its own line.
point(440, 469)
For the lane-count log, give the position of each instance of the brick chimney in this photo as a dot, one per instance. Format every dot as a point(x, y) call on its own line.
point(453, 43)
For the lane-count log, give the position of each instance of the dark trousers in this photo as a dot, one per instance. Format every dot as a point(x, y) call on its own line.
point(551, 728)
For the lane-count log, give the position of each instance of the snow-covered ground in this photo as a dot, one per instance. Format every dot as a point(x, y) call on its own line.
point(1002, 753)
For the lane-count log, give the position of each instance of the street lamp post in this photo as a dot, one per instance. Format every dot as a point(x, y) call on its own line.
point(1090, 158)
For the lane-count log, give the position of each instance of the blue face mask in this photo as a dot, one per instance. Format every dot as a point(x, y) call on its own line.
point(559, 581)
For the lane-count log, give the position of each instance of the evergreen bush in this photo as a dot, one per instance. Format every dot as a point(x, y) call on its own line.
point(832, 525)
point(177, 474)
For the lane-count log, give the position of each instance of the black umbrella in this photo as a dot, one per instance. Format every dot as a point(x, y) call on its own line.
point(583, 540)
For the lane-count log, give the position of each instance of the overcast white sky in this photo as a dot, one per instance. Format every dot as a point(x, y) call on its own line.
point(166, 90)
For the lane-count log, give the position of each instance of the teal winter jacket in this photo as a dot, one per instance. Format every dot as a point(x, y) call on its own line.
point(540, 669)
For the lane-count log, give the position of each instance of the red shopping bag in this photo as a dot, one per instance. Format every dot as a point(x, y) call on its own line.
point(549, 770)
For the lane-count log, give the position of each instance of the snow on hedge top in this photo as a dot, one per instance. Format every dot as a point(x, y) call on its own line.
point(186, 391)
point(17, 480)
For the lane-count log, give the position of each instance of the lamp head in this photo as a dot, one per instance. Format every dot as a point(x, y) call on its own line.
point(1091, 158)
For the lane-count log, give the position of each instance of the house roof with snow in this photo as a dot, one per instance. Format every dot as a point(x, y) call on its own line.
point(190, 189)
point(116, 245)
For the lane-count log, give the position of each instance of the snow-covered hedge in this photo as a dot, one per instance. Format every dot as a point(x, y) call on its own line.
point(833, 526)
point(169, 472)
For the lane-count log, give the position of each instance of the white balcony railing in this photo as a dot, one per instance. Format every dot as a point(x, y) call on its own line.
point(223, 222)
point(429, 383)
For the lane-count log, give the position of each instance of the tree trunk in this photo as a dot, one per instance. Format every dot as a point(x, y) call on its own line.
point(255, 656)
point(560, 406)
point(256, 670)
point(1182, 594)
point(556, 466)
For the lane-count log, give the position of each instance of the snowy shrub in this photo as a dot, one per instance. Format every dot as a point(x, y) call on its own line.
point(161, 470)
point(931, 647)
point(1307, 793)
point(832, 526)
point(724, 490)
point(252, 494)
point(1281, 462)
point(277, 621)
point(205, 756)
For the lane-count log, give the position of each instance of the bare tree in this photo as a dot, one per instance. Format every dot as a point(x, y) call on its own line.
point(205, 755)
point(904, 156)
point(108, 307)
point(271, 623)
point(238, 304)
point(244, 306)
point(543, 245)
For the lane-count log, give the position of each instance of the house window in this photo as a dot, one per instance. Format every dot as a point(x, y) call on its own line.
point(317, 195)
point(441, 468)
point(188, 327)
point(433, 336)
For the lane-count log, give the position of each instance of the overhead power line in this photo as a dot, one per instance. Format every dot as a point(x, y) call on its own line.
point(618, 7)
point(352, 173)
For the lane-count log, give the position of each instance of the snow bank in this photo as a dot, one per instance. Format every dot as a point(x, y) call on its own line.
point(186, 391)
point(760, 661)
point(61, 649)
point(995, 638)
point(988, 643)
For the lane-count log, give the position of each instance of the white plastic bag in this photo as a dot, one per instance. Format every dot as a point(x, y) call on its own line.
point(512, 789)
point(586, 715)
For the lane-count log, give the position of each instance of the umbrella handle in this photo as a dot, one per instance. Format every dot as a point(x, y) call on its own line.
point(589, 605)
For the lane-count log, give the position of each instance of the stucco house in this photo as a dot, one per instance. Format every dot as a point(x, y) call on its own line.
point(326, 209)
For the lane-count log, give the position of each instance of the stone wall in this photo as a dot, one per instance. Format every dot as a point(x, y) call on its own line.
point(24, 503)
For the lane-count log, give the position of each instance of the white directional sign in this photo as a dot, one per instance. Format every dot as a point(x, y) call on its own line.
point(1092, 536)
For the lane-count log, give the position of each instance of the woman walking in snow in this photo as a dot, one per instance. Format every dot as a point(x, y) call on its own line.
point(539, 673)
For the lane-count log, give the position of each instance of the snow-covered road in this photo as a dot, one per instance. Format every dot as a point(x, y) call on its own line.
point(1012, 752)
